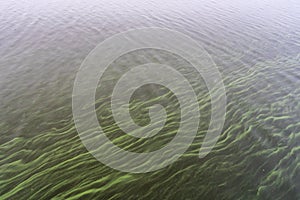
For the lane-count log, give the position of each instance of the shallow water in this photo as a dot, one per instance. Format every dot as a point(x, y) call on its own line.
point(256, 47)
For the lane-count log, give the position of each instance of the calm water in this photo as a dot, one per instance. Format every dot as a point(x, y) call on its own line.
point(256, 46)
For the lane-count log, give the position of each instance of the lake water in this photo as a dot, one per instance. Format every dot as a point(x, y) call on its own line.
point(256, 47)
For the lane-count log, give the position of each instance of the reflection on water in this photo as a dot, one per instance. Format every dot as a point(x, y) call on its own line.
point(255, 45)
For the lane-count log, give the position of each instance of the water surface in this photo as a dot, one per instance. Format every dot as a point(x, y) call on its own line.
point(256, 46)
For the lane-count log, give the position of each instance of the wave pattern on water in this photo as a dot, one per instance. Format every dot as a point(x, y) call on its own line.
point(256, 47)
point(257, 153)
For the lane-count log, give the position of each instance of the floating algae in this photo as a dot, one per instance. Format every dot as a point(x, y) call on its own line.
point(257, 152)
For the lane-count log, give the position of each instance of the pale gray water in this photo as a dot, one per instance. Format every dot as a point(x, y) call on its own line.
point(256, 46)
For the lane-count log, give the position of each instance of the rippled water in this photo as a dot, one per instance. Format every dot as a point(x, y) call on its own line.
point(256, 46)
